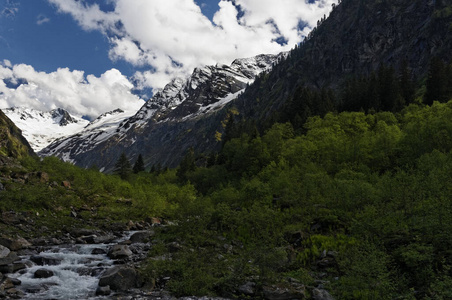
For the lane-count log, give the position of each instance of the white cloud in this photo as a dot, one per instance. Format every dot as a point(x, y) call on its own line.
point(173, 36)
point(81, 96)
point(42, 19)
point(7, 63)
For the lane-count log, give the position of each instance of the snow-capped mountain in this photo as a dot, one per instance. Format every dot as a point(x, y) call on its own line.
point(42, 128)
point(182, 101)
point(101, 129)
point(207, 89)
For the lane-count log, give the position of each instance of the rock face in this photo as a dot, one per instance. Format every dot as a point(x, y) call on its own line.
point(159, 128)
point(12, 143)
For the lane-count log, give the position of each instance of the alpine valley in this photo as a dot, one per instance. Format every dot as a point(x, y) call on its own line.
point(322, 173)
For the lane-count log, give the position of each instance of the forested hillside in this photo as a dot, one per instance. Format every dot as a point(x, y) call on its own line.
point(358, 205)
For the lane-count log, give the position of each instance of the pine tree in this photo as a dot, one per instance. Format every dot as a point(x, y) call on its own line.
point(123, 167)
point(436, 82)
point(186, 165)
point(407, 87)
point(139, 165)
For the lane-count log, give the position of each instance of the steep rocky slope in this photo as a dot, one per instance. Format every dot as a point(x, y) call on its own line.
point(12, 143)
point(356, 39)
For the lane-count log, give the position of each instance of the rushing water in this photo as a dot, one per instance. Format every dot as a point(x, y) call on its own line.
point(76, 272)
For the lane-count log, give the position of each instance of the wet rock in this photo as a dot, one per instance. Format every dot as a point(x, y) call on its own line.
point(104, 239)
point(90, 239)
point(43, 273)
point(319, 294)
point(140, 237)
point(12, 268)
point(79, 232)
point(119, 278)
point(14, 293)
point(131, 225)
point(9, 259)
point(6, 284)
point(103, 291)
point(97, 251)
point(15, 244)
point(15, 281)
point(43, 261)
point(4, 251)
point(119, 252)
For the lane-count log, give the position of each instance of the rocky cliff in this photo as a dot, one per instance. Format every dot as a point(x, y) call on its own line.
point(12, 143)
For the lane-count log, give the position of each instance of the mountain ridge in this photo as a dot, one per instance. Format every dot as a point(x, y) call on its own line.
point(205, 92)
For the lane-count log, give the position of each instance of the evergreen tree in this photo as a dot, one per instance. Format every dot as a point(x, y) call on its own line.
point(436, 82)
point(389, 94)
point(407, 88)
point(186, 165)
point(123, 167)
point(139, 165)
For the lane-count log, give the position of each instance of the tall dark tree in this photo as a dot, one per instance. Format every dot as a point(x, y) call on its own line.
point(186, 165)
point(139, 165)
point(406, 83)
point(388, 89)
point(436, 82)
point(123, 167)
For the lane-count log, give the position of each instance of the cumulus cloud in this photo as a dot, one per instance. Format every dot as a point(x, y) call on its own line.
point(173, 37)
point(22, 85)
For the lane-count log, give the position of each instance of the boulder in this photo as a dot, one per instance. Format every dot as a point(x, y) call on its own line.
point(9, 258)
point(119, 252)
point(66, 184)
point(42, 261)
point(4, 251)
point(248, 289)
point(319, 294)
point(103, 291)
point(283, 293)
point(15, 244)
point(119, 278)
point(6, 284)
point(43, 273)
point(43, 177)
point(97, 251)
point(140, 237)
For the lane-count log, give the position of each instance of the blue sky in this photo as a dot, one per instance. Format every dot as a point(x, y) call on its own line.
point(81, 54)
point(38, 35)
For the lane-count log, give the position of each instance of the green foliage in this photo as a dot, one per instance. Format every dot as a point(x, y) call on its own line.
point(359, 200)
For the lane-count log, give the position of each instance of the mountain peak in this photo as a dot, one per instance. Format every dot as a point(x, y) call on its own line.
point(41, 128)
